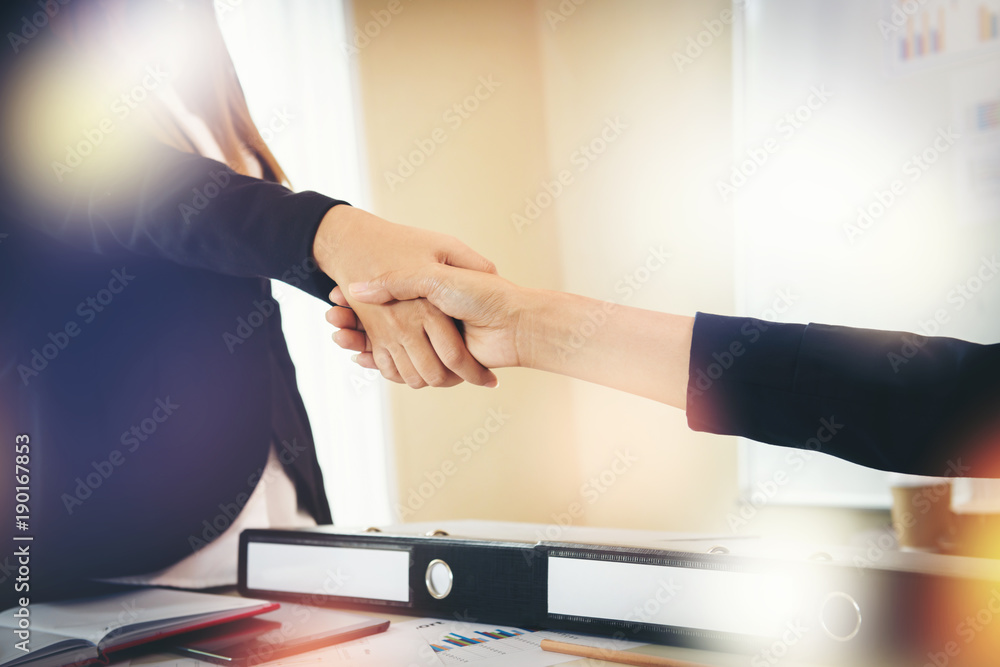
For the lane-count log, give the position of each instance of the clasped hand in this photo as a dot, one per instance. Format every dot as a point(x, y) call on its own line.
point(406, 339)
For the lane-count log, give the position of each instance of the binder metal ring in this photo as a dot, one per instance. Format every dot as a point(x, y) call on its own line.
point(852, 608)
point(438, 590)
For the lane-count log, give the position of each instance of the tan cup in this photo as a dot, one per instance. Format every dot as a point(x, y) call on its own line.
point(922, 516)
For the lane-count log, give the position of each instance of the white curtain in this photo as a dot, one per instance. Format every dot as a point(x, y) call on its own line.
point(300, 84)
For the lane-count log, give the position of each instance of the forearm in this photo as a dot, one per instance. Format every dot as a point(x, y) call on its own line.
point(191, 211)
point(634, 350)
point(876, 398)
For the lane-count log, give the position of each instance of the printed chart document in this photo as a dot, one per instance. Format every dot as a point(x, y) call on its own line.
point(458, 643)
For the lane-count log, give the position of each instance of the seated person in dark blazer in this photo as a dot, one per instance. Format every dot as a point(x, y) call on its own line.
point(141, 352)
point(887, 400)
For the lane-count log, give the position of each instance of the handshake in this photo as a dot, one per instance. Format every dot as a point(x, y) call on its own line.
point(424, 309)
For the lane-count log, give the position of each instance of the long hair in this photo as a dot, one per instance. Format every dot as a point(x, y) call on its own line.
point(209, 87)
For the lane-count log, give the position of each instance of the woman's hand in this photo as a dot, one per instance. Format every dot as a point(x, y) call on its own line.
point(408, 341)
point(639, 351)
point(489, 307)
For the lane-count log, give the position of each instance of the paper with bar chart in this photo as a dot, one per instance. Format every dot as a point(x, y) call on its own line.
point(457, 643)
point(934, 32)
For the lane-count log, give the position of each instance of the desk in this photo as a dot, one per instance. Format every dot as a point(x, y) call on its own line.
point(708, 658)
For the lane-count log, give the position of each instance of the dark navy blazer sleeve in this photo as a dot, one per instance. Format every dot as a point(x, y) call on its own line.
point(888, 400)
point(198, 213)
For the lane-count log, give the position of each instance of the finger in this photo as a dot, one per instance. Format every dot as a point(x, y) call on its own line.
point(426, 362)
point(451, 350)
point(403, 366)
point(338, 298)
point(344, 318)
point(386, 365)
point(349, 339)
point(365, 360)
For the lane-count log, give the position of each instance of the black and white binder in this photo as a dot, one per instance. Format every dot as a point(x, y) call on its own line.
point(766, 599)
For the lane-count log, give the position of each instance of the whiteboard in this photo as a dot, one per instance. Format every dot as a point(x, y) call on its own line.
point(865, 186)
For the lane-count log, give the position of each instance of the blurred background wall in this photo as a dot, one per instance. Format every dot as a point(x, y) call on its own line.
point(544, 112)
point(586, 146)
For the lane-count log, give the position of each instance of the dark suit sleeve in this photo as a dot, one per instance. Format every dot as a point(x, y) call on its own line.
point(888, 400)
point(195, 212)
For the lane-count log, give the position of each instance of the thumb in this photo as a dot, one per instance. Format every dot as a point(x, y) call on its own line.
point(395, 285)
point(464, 257)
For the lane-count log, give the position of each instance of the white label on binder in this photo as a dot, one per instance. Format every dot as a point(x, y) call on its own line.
point(375, 574)
point(717, 600)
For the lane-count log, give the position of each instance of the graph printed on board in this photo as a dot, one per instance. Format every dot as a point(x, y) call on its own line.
point(927, 33)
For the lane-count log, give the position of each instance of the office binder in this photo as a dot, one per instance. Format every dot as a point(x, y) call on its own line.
point(763, 598)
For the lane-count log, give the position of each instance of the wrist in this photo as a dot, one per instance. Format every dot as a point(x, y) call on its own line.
point(330, 238)
point(538, 330)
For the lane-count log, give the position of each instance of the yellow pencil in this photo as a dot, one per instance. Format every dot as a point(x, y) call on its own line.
point(621, 657)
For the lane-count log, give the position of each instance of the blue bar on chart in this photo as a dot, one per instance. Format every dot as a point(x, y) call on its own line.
point(455, 640)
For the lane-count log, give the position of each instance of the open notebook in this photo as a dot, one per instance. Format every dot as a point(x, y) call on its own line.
point(78, 632)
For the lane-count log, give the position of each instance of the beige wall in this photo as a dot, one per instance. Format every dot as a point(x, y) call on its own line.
point(563, 78)
point(560, 83)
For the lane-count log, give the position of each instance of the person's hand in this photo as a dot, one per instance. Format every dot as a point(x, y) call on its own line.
point(639, 351)
point(408, 341)
point(488, 306)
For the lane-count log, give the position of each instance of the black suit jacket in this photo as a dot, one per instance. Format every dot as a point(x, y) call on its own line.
point(141, 351)
point(889, 400)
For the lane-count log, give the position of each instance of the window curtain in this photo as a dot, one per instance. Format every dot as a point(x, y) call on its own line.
point(299, 80)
